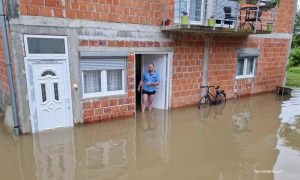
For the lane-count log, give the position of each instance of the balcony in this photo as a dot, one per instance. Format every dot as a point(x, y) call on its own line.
point(232, 17)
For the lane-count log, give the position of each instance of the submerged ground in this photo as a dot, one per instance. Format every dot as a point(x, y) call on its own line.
point(249, 138)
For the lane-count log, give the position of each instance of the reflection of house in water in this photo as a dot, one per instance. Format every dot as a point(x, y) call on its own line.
point(152, 139)
point(106, 159)
point(106, 150)
point(54, 154)
point(289, 139)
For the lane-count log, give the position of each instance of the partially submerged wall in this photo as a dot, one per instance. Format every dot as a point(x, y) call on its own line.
point(4, 87)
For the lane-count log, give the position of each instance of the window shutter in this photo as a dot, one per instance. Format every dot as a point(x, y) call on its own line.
point(102, 64)
point(103, 60)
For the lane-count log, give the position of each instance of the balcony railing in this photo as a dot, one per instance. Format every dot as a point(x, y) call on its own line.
point(219, 16)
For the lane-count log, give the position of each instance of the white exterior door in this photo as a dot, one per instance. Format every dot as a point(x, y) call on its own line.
point(160, 63)
point(49, 94)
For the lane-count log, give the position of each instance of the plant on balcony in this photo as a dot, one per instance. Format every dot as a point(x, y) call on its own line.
point(270, 27)
point(251, 1)
point(211, 21)
point(272, 3)
point(184, 19)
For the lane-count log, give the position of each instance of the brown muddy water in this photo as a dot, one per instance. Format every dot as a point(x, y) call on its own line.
point(255, 138)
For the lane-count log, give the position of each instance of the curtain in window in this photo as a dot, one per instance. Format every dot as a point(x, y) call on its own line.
point(92, 81)
point(240, 67)
point(180, 5)
point(250, 65)
point(114, 80)
point(195, 10)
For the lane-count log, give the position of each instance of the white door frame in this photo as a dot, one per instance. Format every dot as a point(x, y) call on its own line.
point(168, 72)
point(40, 57)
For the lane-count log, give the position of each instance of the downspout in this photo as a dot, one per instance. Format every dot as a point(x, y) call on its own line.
point(290, 42)
point(205, 64)
point(3, 19)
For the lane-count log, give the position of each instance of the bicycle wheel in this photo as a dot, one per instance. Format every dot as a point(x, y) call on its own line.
point(221, 98)
point(203, 102)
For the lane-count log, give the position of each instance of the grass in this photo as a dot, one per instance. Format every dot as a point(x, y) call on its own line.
point(293, 77)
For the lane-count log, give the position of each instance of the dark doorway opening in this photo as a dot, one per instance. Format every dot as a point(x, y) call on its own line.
point(138, 75)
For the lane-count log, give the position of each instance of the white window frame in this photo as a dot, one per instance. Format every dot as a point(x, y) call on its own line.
point(177, 19)
point(53, 56)
point(104, 91)
point(246, 60)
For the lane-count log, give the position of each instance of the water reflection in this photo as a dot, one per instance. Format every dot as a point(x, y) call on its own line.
point(242, 139)
point(289, 138)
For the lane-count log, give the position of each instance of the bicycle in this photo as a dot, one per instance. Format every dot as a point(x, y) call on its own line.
point(210, 99)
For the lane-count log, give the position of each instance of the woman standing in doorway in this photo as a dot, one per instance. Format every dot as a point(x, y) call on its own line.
point(150, 80)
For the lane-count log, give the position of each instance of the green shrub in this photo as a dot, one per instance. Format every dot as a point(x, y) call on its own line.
point(294, 58)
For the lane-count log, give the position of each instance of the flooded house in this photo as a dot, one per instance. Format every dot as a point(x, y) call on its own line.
point(72, 62)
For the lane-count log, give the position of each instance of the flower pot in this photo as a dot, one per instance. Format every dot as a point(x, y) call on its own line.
point(251, 1)
point(211, 22)
point(270, 27)
point(184, 20)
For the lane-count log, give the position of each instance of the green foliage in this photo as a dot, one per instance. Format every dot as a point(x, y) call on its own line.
point(293, 77)
point(294, 58)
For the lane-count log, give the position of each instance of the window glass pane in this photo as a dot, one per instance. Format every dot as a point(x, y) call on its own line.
point(44, 95)
point(250, 66)
point(240, 67)
point(114, 80)
point(179, 7)
point(50, 73)
point(92, 81)
point(56, 95)
point(195, 10)
point(46, 46)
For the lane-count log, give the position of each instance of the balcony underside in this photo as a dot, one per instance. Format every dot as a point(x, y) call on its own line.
point(212, 30)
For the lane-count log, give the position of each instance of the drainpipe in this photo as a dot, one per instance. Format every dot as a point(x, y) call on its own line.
point(3, 19)
point(290, 43)
point(205, 64)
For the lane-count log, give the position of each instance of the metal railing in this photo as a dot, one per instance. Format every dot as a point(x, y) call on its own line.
point(219, 14)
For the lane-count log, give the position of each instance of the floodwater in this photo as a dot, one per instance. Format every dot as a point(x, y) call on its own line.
point(255, 138)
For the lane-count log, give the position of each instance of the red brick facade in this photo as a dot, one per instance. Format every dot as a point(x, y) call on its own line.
point(112, 108)
point(124, 11)
point(3, 74)
point(188, 51)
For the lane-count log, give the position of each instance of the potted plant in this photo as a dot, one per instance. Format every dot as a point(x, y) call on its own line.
point(211, 21)
point(184, 19)
point(272, 3)
point(166, 22)
point(251, 1)
point(270, 27)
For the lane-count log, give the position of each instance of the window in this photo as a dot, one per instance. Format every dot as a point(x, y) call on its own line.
point(102, 77)
point(195, 10)
point(39, 45)
point(56, 95)
point(48, 73)
point(245, 67)
point(44, 95)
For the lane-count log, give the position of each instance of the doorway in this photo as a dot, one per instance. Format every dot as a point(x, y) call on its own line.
point(161, 64)
point(48, 82)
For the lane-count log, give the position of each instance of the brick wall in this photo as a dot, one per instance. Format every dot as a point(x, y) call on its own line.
point(4, 89)
point(111, 108)
point(269, 69)
point(148, 12)
point(125, 11)
point(284, 17)
point(187, 70)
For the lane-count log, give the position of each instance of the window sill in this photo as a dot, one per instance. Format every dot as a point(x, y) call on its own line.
point(105, 96)
point(244, 77)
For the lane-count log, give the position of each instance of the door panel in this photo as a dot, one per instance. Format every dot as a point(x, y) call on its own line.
point(160, 62)
point(51, 95)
